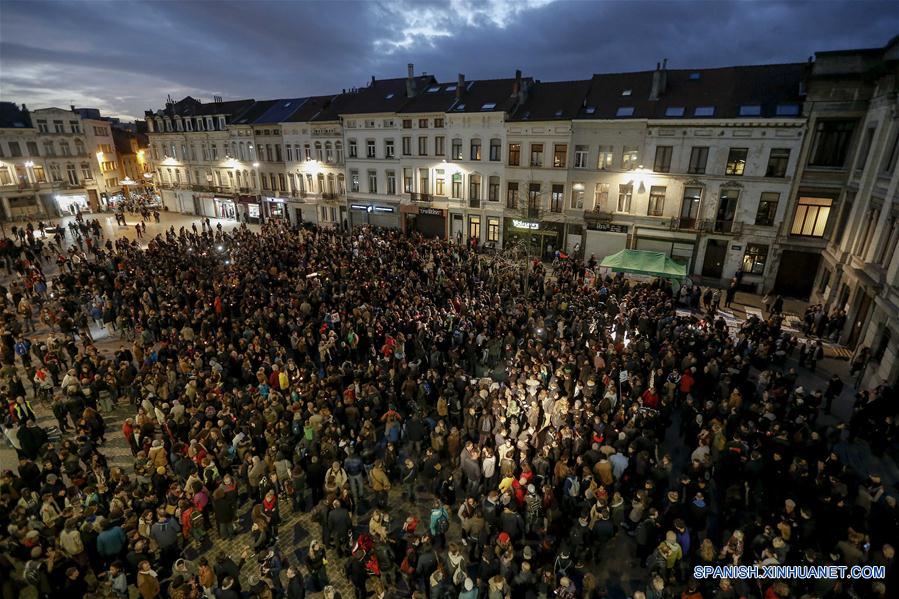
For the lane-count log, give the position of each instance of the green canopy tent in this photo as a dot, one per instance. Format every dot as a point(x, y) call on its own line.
point(642, 262)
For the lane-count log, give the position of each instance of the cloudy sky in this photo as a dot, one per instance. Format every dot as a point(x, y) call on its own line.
point(125, 57)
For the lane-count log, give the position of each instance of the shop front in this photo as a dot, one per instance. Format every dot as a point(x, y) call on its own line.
point(376, 215)
point(250, 209)
point(226, 208)
point(72, 204)
point(603, 239)
point(276, 208)
point(542, 237)
point(429, 222)
point(680, 247)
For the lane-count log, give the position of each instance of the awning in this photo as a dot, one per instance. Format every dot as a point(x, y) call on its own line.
point(642, 262)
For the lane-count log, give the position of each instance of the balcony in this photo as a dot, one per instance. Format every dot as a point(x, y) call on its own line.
point(685, 223)
point(330, 196)
point(420, 197)
point(531, 212)
point(727, 226)
point(597, 214)
point(474, 203)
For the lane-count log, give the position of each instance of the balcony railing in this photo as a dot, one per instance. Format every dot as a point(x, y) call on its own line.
point(685, 223)
point(474, 203)
point(420, 197)
point(532, 212)
point(330, 196)
point(727, 226)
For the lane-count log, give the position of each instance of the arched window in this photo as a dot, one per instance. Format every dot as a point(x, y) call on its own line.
point(339, 147)
point(79, 147)
point(329, 153)
point(318, 151)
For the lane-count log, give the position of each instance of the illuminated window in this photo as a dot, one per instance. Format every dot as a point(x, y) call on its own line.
point(767, 211)
point(736, 162)
point(754, 259)
point(811, 216)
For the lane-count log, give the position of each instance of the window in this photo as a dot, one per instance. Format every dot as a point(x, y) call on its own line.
point(422, 123)
point(438, 146)
point(457, 186)
point(656, 200)
point(492, 229)
point(662, 162)
point(407, 146)
point(354, 181)
point(476, 149)
point(629, 158)
point(493, 189)
point(831, 143)
point(674, 111)
point(58, 127)
point(76, 126)
point(474, 227)
point(580, 156)
point(536, 154)
point(424, 185)
point(63, 147)
point(699, 156)
point(352, 151)
point(389, 150)
point(577, 196)
point(407, 180)
point(601, 196)
point(422, 146)
point(865, 149)
point(704, 111)
point(533, 199)
point(338, 147)
point(439, 183)
point(514, 154)
point(495, 150)
point(42, 127)
point(767, 211)
point(754, 259)
point(391, 183)
point(750, 110)
point(39, 175)
point(457, 149)
point(307, 151)
point(278, 152)
point(407, 123)
point(889, 163)
point(512, 195)
point(557, 198)
point(560, 156)
point(438, 123)
point(49, 151)
point(811, 216)
point(370, 148)
point(777, 162)
point(736, 162)
point(15, 150)
point(71, 174)
point(787, 110)
point(625, 192)
point(474, 187)
point(32, 149)
point(372, 182)
point(605, 158)
point(5, 178)
point(882, 345)
point(625, 111)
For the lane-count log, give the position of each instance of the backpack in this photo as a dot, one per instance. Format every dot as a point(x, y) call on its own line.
point(575, 489)
point(32, 573)
point(442, 524)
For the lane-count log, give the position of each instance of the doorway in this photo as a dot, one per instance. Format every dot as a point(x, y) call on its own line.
point(858, 323)
point(713, 264)
point(797, 272)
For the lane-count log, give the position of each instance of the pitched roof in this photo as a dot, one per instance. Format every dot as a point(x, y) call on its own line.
point(722, 93)
point(281, 110)
point(188, 106)
point(487, 95)
point(13, 117)
point(252, 112)
point(381, 95)
point(437, 97)
point(309, 109)
point(552, 101)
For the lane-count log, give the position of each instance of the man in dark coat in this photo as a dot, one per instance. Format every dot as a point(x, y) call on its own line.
point(339, 525)
point(224, 504)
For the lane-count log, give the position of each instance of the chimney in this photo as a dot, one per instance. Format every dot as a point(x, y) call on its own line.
point(516, 87)
point(72, 106)
point(372, 79)
point(410, 80)
point(459, 85)
point(659, 80)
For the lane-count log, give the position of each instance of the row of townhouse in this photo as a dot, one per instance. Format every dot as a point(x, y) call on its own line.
point(55, 162)
point(695, 163)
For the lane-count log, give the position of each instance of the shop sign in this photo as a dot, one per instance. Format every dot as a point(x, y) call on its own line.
point(253, 210)
point(431, 211)
point(278, 200)
point(606, 227)
point(523, 224)
point(383, 209)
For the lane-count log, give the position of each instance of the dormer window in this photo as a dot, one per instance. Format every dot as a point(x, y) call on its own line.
point(489, 106)
point(460, 108)
point(388, 96)
point(590, 109)
point(704, 111)
point(179, 125)
point(750, 110)
point(209, 124)
point(626, 92)
point(221, 123)
point(694, 76)
point(188, 125)
point(450, 88)
point(674, 111)
point(434, 88)
point(625, 111)
point(787, 110)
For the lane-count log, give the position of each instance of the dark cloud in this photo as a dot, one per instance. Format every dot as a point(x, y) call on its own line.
point(124, 57)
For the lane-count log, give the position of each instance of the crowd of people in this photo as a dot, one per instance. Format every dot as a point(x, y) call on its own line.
point(456, 427)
